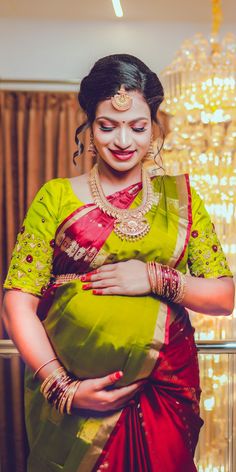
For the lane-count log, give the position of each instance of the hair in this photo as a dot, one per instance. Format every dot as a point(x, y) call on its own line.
point(104, 81)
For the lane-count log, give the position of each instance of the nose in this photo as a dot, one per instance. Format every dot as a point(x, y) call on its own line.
point(123, 138)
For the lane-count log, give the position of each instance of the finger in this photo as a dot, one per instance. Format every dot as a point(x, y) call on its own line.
point(108, 291)
point(102, 276)
point(110, 379)
point(124, 392)
point(99, 286)
point(107, 267)
point(104, 283)
point(119, 395)
point(121, 400)
point(95, 275)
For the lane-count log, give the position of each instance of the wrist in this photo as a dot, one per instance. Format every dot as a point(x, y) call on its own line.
point(76, 402)
point(166, 282)
point(46, 368)
point(59, 389)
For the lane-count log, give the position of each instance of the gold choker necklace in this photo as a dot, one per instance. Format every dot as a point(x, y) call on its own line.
point(130, 224)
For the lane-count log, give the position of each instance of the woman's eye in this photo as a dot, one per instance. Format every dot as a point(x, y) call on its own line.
point(139, 130)
point(106, 128)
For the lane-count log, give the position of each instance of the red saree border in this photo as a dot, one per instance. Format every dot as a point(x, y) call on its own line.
point(71, 215)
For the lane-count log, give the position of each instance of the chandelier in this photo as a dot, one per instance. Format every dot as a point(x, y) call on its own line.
point(200, 98)
point(200, 102)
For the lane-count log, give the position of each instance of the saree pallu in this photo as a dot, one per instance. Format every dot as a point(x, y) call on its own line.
point(157, 430)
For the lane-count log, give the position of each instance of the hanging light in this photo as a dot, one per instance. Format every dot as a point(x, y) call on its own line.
point(200, 99)
point(117, 8)
point(200, 90)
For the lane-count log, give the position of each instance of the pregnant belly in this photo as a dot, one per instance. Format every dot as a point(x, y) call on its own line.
point(94, 336)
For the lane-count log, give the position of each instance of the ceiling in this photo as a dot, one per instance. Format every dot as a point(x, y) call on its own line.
point(100, 10)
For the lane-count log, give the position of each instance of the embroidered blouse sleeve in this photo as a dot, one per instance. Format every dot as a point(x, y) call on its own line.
point(205, 255)
point(31, 262)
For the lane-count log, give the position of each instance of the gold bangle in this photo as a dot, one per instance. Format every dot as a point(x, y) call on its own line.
point(73, 390)
point(52, 378)
point(56, 374)
point(159, 288)
point(63, 400)
point(152, 276)
point(62, 393)
point(181, 289)
point(43, 365)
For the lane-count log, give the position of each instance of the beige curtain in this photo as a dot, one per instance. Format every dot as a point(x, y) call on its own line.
point(36, 144)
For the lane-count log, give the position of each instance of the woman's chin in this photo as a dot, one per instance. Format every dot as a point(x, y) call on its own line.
point(122, 165)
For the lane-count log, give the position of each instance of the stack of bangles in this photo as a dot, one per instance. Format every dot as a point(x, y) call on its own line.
point(59, 389)
point(166, 282)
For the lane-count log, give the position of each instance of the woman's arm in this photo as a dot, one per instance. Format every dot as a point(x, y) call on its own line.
point(209, 296)
point(27, 331)
point(30, 338)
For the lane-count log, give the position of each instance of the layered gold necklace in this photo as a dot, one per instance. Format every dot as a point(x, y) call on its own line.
point(130, 223)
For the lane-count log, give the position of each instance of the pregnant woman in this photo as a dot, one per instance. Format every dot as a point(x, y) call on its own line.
point(97, 294)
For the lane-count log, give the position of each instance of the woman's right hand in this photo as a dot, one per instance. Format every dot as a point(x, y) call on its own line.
point(92, 394)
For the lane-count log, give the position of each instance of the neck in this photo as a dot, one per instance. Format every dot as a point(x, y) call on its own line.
point(118, 179)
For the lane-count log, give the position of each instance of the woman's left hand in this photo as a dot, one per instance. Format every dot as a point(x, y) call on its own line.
point(122, 278)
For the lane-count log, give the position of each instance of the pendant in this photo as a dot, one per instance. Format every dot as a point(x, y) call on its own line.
point(131, 228)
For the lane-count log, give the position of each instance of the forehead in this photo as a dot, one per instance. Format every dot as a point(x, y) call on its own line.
point(138, 108)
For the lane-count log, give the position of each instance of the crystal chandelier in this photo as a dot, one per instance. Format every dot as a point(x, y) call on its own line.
point(200, 91)
point(200, 101)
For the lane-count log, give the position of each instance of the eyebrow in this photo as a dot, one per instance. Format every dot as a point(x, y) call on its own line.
point(114, 121)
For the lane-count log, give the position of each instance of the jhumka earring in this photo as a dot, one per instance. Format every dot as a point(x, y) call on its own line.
point(151, 152)
point(91, 147)
point(121, 101)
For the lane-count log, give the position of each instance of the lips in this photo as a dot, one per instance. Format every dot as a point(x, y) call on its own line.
point(122, 155)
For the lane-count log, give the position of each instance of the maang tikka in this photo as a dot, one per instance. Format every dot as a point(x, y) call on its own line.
point(121, 101)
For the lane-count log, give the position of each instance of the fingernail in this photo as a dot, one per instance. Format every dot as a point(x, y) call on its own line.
point(118, 375)
point(85, 278)
point(97, 292)
point(86, 286)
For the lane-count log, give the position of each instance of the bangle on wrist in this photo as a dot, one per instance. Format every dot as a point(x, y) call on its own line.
point(43, 365)
point(166, 282)
point(59, 389)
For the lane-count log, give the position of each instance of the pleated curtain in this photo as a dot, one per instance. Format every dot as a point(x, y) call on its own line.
point(36, 144)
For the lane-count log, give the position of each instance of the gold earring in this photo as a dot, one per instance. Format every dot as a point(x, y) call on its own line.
point(151, 153)
point(91, 147)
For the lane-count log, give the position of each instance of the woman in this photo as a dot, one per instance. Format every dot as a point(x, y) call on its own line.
point(97, 295)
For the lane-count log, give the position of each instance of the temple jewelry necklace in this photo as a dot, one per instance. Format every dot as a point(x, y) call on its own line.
point(130, 224)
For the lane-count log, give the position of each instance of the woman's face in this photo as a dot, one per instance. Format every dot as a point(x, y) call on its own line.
point(122, 138)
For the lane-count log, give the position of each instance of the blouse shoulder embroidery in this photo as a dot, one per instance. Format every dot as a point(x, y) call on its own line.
point(31, 263)
point(206, 257)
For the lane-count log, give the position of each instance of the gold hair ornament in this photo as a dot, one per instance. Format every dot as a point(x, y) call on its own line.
point(121, 101)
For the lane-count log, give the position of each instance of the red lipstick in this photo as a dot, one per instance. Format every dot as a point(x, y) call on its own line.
point(122, 155)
